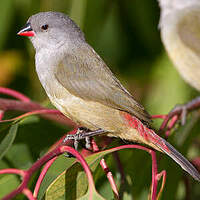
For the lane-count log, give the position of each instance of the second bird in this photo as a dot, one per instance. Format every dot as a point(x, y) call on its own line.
point(180, 32)
point(83, 88)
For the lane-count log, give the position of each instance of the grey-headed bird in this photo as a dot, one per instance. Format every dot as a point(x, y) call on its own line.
point(82, 87)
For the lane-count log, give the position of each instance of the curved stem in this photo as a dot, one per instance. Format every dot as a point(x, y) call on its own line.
point(58, 151)
point(28, 194)
point(107, 171)
point(154, 176)
point(1, 114)
point(42, 175)
point(14, 93)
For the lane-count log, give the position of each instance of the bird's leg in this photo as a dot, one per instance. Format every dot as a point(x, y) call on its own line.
point(182, 110)
point(83, 133)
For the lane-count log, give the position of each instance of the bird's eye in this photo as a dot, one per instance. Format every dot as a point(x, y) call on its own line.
point(45, 27)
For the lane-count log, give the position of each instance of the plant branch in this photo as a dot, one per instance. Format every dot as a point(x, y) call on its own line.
point(154, 165)
point(28, 194)
point(28, 173)
point(162, 175)
point(180, 111)
point(14, 94)
point(33, 108)
point(107, 171)
point(42, 175)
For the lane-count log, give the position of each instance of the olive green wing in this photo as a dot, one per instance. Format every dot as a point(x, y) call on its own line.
point(84, 74)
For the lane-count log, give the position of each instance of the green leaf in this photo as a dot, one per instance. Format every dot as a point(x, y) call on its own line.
point(73, 183)
point(30, 119)
point(8, 140)
point(69, 185)
point(4, 125)
point(59, 165)
point(8, 183)
point(24, 161)
point(95, 196)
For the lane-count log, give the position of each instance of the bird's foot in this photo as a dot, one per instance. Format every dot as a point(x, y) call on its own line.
point(182, 110)
point(83, 133)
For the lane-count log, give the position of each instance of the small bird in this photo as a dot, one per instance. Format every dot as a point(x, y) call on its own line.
point(82, 87)
point(180, 33)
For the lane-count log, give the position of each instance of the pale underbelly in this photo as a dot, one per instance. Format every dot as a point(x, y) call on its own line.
point(97, 116)
point(90, 114)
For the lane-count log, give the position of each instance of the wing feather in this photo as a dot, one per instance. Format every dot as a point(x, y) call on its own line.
point(84, 74)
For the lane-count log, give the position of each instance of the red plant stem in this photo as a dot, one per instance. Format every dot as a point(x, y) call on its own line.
point(158, 116)
point(28, 194)
point(164, 123)
point(173, 115)
point(35, 112)
point(95, 148)
point(27, 174)
point(58, 151)
point(107, 171)
point(171, 125)
point(14, 93)
point(162, 174)
point(154, 165)
point(154, 175)
point(42, 175)
point(7, 104)
point(196, 162)
point(85, 167)
point(110, 177)
point(180, 112)
point(12, 171)
point(1, 114)
point(50, 162)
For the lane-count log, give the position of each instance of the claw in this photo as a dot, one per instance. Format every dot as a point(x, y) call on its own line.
point(183, 115)
point(76, 142)
point(83, 133)
point(180, 110)
point(69, 155)
point(88, 143)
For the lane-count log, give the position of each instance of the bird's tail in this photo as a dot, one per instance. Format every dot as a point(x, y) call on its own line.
point(167, 148)
point(151, 138)
point(179, 158)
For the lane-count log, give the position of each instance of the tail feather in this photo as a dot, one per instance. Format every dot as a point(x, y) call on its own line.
point(180, 159)
point(150, 138)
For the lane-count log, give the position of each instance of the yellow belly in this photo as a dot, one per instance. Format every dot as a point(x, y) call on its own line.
point(90, 114)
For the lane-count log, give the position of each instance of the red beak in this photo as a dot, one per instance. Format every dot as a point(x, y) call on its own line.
point(26, 31)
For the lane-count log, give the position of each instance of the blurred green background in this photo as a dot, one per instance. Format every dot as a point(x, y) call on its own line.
point(126, 35)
